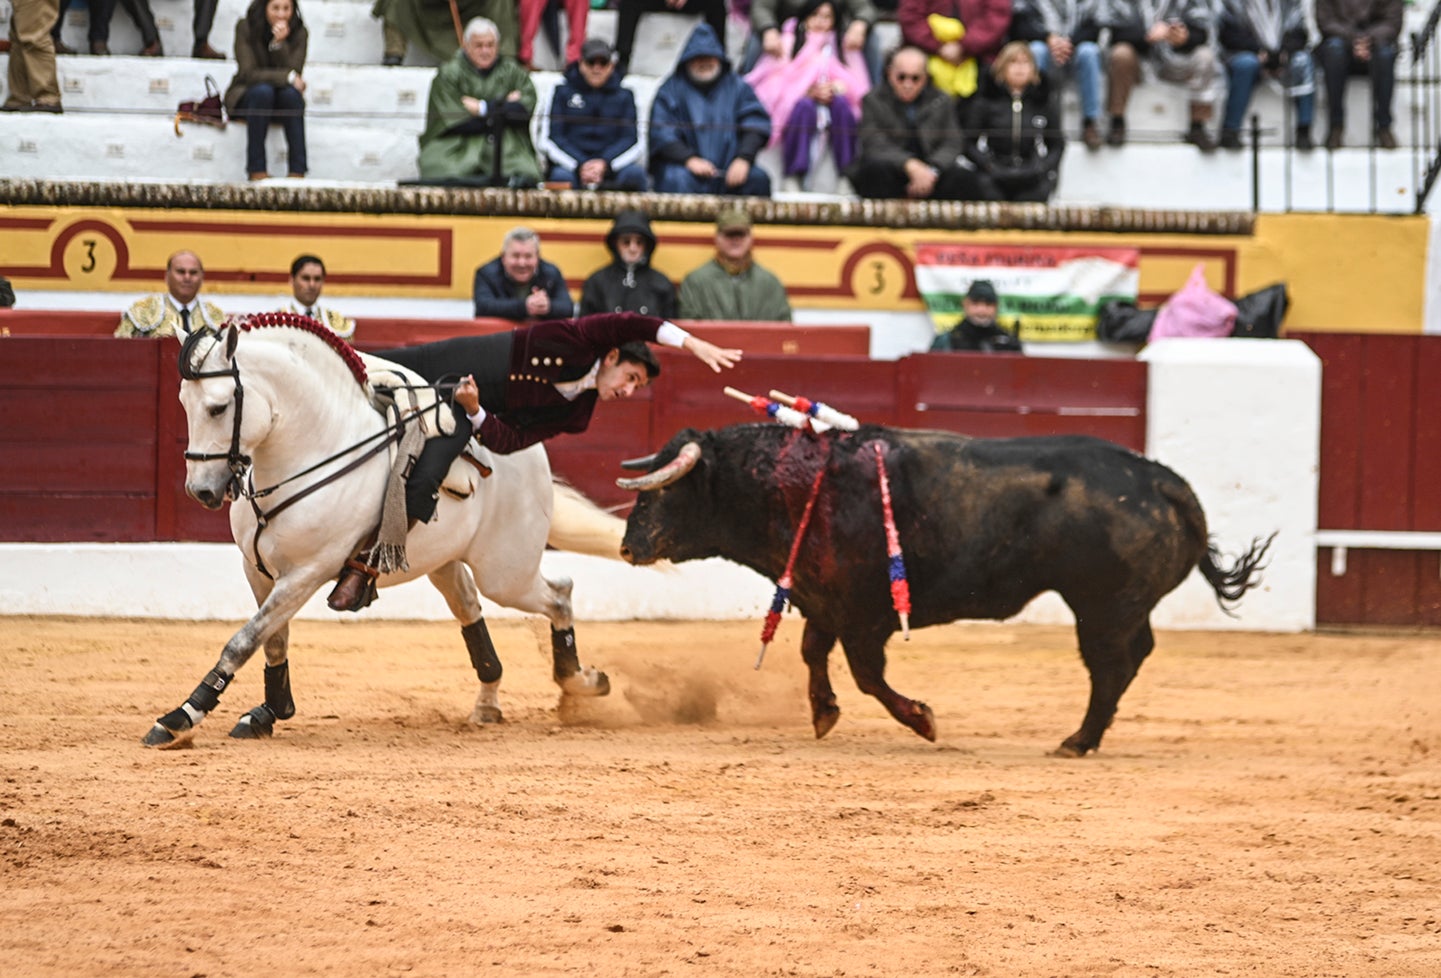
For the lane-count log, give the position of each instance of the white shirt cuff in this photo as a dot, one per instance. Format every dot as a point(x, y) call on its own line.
point(670, 334)
point(477, 419)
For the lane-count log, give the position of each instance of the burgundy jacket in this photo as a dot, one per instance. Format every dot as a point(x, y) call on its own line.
point(986, 24)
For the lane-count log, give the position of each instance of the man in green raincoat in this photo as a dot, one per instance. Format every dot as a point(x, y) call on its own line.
point(480, 100)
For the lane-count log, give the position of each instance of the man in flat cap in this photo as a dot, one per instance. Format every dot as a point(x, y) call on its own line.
point(978, 331)
point(732, 285)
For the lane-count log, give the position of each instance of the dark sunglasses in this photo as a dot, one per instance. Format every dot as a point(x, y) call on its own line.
point(598, 62)
point(902, 77)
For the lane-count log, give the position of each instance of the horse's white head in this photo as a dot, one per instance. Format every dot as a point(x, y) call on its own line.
point(214, 399)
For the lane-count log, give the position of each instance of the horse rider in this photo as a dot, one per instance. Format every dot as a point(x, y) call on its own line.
point(521, 387)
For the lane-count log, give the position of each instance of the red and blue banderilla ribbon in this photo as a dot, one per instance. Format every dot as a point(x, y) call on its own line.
point(900, 587)
point(783, 586)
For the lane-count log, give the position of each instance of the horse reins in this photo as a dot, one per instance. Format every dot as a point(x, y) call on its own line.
point(242, 476)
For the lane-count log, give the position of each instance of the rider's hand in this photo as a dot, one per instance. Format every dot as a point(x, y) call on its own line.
point(467, 395)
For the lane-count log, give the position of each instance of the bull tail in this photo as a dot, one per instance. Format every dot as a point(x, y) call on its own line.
point(1242, 575)
point(1229, 582)
point(580, 526)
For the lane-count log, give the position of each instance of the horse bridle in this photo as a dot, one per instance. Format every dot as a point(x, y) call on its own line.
point(236, 460)
point(239, 463)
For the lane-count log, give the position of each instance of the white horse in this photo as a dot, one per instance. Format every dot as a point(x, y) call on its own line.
point(283, 421)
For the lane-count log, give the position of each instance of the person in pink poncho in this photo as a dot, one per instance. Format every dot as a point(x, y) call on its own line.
point(816, 86)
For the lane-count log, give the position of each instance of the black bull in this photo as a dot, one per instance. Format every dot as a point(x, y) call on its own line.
point(986, 524)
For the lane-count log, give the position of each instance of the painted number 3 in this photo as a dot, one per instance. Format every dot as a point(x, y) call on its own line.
point(89, 265)
point(880, 283)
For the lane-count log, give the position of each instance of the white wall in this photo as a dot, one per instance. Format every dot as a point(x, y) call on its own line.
point(1239, 419)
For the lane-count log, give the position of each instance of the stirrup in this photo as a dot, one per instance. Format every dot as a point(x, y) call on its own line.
point(356, 588)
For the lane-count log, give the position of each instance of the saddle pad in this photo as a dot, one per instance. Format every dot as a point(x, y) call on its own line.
point(385, 374)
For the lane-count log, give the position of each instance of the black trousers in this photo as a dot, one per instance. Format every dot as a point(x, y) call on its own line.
point(878, 179)
point(714, 12)
point(487, 359)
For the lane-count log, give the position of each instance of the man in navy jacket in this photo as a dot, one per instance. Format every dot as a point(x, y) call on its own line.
point(590, 135)
point(518, 285)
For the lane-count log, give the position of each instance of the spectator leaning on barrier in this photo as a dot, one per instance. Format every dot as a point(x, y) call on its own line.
point(518, 285)
point(1063, 35)
point(1359, 37)
point(978, 330)
point(706, 126)
point(590, 135)
point(270, 49)
point(1175, 35)
point(34, 85)
point(477, 122)
point(628, 283)
point(1265, 37)
point(1013, 129)
point(179, 310)
point(307, 279)
point(910, 138)
point(732, 285)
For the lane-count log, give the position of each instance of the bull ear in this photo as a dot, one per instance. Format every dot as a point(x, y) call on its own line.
point(668, 473)
point(641, 464)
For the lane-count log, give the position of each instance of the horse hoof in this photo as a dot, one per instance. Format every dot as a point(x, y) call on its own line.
point(164, 738)
point(1069, 750)
point(825, 722)
point(486, 714)
point(255, 725)
point(923, 721)
point(590, 681)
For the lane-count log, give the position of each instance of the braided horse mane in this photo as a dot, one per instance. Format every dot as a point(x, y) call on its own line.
point(306, 324)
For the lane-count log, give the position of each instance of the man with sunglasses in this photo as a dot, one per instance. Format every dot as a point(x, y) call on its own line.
point(732, 285)
point(590, 135)
point(910, 139)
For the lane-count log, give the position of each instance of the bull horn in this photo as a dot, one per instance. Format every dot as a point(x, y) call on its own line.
point(684, 461)
point(639, 464)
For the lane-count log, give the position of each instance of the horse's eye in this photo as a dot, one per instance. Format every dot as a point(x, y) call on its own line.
point(218, 410)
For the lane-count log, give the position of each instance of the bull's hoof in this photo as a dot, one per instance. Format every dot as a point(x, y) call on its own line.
point(1070, 747)
point(486, 714)
point(825, 722)
point(163, 738)
point(258, 724)
point(590, 681)
point(923, 721)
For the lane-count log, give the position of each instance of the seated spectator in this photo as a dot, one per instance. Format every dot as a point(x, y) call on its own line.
point(307, 279)
point(1265, 37)
point(477, 121)
point(1063, 36)
point(178, 310)
point(518, 285)
point(706, 126)
point(714, 12)
point(1014, 130)
point(978, 330)
point(813, 88)
point(101, 12)
point(435, 27)
point(851, 20)
point(732, 285)
point(628, 283)
point(910, 139)
point(1359, 37)
point(960, 38)
point(590, 134)
point(203, 21)
point(392, 38)
point(1175, 35)
point(531, 12)
point(34, 83)
point(270, 47)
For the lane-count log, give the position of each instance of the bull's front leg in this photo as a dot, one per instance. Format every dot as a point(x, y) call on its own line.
point(816, 645)
point(867, 658)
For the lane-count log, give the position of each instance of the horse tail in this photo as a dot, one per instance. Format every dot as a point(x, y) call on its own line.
point(1242, 575)
point(580, 526)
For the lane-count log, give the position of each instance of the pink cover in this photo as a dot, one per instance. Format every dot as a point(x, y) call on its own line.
point(1195, 311)
point(780, 83)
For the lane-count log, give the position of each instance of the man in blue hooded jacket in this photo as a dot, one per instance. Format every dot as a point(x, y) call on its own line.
point(707, 125)
point(590, 134)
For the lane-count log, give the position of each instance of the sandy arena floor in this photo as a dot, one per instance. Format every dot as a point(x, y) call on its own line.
point(1263, 805)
